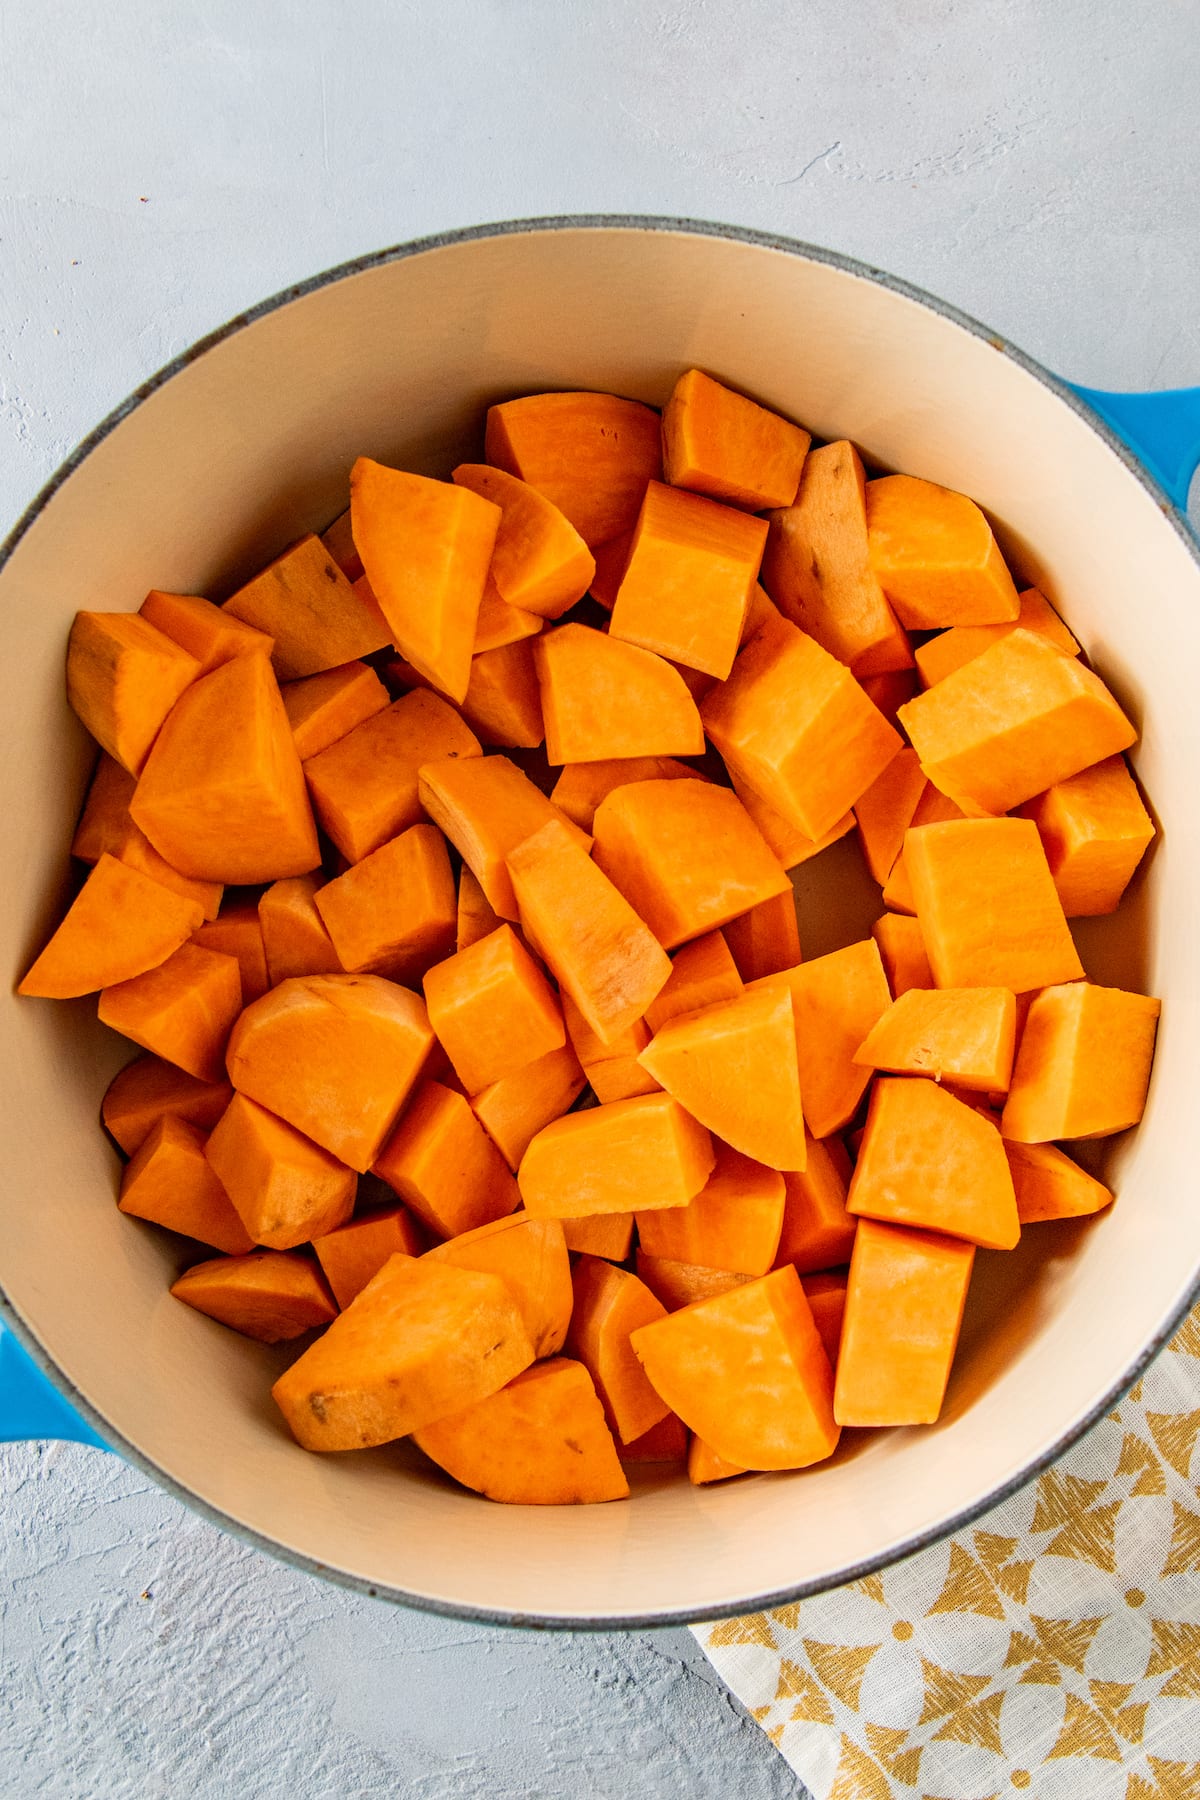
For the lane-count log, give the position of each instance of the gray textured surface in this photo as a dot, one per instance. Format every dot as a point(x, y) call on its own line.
point(165, 162)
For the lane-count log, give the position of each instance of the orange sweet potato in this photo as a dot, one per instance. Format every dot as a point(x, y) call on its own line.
point(105, 825)
point(612, 1069)
point(582, 786)
point(765, 940)
point(734, 1067)
point(817, 568)
point(826, 1296)
point(702, 973)
point(989, 914)
point(902, 949)
point(316, 617)
point(733, 1223)
point(939, 656)
point(365, 788)
point(394, 913)
point(539, 563)
point(603, 1234)
point(933, 808)
point(963, 1035)
point(935, 556)
point(503, 701)
point(931, 1161)
point(530, 1257)
point(602, 698)
point(269, 1295)
point(169, 1182)
point(421, 1341)
point(334, 1055)
point(541, 1441)
point(1012, 722)
point(611, 559)
point(686, 587)
point(182, 1011)
point(837, 999)
point(237, 932)
point(493, 1009)
point(1049, 1185)
point(148, 1089)
point(817, 1231)
point(885, 812)
point(222, 792)
point(295, 941)
point(890, 691)
point(475, 917)
point(322, 708)
point(286, 1189)
point(591, 454)
point(514, 1109)
point(747, 1372)
point(338, 539)
point(630, 1154)
point(486, 807)
point(789, 844)
point(425, 547)
point(904, 1306)
point(1083, 1063)
point(704, 1465)
point(1095, 831)
point(686, 855)
point(123, 678)
point(120, 924)
point(353, 1254)
point(610, 1304)
point(678, 1284)
point(596, 946)
point(205, 631)
point(792, 723)
point(666, 1442)
point(443, 1165)
point(499, 623)
point(719, 443)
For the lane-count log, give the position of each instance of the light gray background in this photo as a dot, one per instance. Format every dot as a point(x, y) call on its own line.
point(164, 163)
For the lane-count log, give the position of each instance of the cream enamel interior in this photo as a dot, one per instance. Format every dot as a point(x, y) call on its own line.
point(248, 445)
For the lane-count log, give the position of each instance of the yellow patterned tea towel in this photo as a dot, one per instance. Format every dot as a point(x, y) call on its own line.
point(1051, 1650)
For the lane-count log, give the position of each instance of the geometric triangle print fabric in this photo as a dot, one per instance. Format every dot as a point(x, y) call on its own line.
point(1051, 1649)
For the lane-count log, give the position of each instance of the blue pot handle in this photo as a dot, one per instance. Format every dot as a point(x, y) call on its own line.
point(30, 1406)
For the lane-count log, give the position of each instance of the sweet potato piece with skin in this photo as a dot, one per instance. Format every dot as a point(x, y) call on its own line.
point(988, 910)
point(1013, 722)
point(817, 1231)
point(169, 1182)
point(1083, 1064)
point(222, 793)
point(539, 563)
point(935, 557)
point(939, 656)
point(182, 1011)
point(678, 1284)
point(598, 949)
point(902, 949)
point(582, 786)
point(933, 808)
point(365, 787)
point(963, 1035)
point(270, 1295)
point(609, 1235)
point(792, 723)
point(785, 840)
point(826, 1296)
point(105, 825)
point(475, 917)
point(602, 698)
point(499, 623)
point(686, 587)
point(1095, 831)
point(719, 443)
point(205, 631)
point(631, 1154)
point(733, 1223)
point(323, 708)
point(930, 1161)
point(734, 1067)
point(443, 1165)
point(541, 1441)
point(1049, 1185)
point(817, 567)
point(487, 808)
point(426, 547)
point(354, 1253)
point(757, 1342)
point(686, 855)
point(704, 1465)
point(590, 454)
point(665, 1442)
point(702, 973)
point(286, 1189)
point(613, 1069)
point(904, 1306)
point(766, 939)
point(123, 678)
point(836, 999)
point(338, 539)
point(610, 1304)
point(395, 913)
point(237, 932)
point(317, 618)
point(514, 1109)
point(336, 1056)
point(295, 941)
point(493, 1010)
point(149, 1089)
point(420, 1342)
point(120, 924)
point(503, 701)
point(885, 812)
point(530, 1257)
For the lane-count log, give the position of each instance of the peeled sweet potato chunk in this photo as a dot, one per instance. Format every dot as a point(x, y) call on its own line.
point(120, 924)
point(317, 618)
point(170, 1182)
point(123, 678)
point(591, 454)
point(269, 1294)
point(719, 443)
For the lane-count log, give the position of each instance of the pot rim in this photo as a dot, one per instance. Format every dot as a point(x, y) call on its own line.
point(596, 222)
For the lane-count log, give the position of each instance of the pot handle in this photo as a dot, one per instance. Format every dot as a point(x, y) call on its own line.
point(1162, 430)
point(30, 1406)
